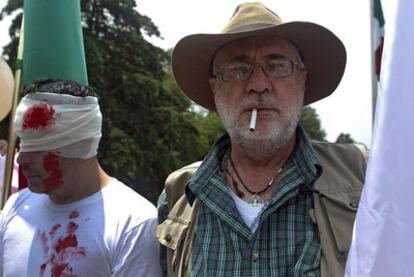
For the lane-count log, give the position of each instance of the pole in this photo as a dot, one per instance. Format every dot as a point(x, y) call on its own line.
point(374, 77)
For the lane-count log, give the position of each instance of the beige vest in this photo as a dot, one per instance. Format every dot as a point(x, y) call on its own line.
point(334, 210)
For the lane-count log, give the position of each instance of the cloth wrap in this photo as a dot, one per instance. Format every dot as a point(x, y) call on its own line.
point(68, 125)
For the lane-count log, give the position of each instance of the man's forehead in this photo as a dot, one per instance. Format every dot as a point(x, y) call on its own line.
point(259, 45)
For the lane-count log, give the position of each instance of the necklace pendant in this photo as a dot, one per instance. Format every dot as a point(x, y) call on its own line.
point(255, 201)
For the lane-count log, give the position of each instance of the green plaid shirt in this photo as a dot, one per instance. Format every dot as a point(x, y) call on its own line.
point(286, 242)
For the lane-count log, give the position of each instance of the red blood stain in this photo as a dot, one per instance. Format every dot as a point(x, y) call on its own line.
point(79, 253)
point(42, 269)
point(65, 250)
point(63, 243)
point(72, 227)
point(44, 240)
point(38, 116)
point(51, 165)
point(74, 214)
point(57, 270)
point(54, 229)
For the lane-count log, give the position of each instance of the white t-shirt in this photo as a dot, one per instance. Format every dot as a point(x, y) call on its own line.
point(110, 233)
point(249, 214)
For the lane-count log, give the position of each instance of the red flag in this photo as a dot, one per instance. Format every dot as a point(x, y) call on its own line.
point(379, 35)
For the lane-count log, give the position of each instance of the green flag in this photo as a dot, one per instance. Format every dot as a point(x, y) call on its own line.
point(53, 41)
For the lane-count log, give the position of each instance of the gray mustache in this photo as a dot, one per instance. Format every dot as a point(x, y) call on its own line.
point(259, 102)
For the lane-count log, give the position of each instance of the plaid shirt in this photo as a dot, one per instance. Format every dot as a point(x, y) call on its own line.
point(286, 242)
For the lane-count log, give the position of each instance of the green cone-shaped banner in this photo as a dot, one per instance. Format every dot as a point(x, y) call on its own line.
point(53, 41)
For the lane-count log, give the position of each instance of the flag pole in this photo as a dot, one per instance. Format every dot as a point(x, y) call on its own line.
point(374, 77)
point(11, 140)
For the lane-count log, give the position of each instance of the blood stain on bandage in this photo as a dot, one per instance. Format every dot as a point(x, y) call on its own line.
point(38, 116)
point(51, 165)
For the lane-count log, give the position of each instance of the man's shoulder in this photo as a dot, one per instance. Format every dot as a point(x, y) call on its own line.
point(182, 174)
point(125, 200)
point(329, 148)
point(22, 196)
point(341, 154)
point(343, 165)
point(20, 200)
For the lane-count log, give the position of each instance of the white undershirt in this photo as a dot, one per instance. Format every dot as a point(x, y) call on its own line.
point(248, 212)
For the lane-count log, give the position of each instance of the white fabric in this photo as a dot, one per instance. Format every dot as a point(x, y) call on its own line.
point(249, 213)
point(116, 231)
point(15, 175)
point(2, 169)
point(383, 239)
point(76, 128)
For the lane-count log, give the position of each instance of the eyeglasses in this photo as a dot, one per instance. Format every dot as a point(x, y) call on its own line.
point(274, 68)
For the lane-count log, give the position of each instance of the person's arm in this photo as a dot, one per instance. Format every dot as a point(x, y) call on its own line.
point(139, 255)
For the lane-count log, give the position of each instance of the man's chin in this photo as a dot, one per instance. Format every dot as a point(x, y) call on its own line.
point(36, 189)
point(261, 140)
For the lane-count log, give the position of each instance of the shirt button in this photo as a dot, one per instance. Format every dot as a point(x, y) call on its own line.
point(168, 237)
point(254, 256)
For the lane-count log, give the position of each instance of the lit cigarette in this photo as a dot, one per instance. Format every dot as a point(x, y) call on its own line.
point(253, 120)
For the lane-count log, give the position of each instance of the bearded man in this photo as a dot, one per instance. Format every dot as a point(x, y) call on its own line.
point(265, 201)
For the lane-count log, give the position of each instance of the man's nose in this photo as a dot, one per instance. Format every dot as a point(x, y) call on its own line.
point(24, 158)
point(258, 81)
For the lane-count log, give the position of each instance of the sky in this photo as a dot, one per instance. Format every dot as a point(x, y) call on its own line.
point(347, 110)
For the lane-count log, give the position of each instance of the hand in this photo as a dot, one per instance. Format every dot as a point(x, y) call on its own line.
point(3, 147)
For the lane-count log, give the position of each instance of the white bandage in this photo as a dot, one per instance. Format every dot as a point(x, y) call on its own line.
point(253, 120)
point(67, 124)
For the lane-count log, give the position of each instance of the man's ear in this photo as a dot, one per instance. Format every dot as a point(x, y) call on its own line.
point(213, 82)
point(303, 77)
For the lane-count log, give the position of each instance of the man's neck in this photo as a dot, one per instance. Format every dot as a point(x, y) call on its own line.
point(84, 179)
point(258, 167)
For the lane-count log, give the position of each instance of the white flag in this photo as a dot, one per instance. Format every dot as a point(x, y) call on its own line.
point(383, 240)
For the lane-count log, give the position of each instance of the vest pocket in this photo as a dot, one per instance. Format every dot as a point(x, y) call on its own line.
point(340, 210)
point(171, 233)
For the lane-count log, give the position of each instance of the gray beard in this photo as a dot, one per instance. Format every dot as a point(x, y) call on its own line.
point(281, 131)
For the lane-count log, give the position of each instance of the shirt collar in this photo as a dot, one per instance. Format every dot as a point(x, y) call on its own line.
point(303, 158)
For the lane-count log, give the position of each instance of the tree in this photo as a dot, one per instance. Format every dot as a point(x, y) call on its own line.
point(148, 127)
point(210, 128)
point(344, 138)
point(312, 124)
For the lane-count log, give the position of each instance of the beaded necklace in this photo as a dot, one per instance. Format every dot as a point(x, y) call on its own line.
point(255, 199)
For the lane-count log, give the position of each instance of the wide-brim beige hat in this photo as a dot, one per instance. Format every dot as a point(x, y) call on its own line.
point(323, 53)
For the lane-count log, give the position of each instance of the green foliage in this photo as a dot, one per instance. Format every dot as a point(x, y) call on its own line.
point(344, 138)
point(312, 124)
point(210, 128)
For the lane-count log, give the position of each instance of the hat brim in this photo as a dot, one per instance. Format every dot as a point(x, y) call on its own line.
point(323, 54)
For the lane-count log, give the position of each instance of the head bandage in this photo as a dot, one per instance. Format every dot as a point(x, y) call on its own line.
point(67, 124)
